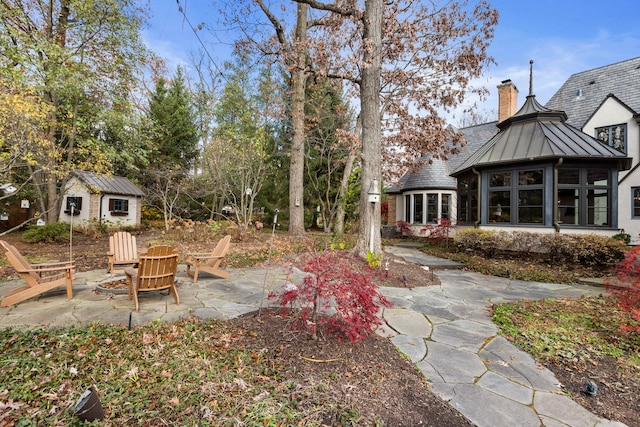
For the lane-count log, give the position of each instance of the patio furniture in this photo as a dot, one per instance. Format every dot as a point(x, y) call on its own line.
point(123, 251)
point(156, 271)
point(209, 262)
point(40, 277)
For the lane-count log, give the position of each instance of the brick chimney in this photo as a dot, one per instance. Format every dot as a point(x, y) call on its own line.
point(507, 100)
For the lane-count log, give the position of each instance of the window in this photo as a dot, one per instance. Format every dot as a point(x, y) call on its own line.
point(614, 136)
point(444, 206)
point(499, 197)
point(432, 207)
point(417, 208)
point(516, 197)
point(635, 194)
point(530, 196)
point(468, 199)
point(407, 208)
point(584, 197)
point(75, 203)
point(119, 207)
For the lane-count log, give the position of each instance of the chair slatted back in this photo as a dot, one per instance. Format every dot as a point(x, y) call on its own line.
point(157, 268)
point(124, 247)
point(220, 250)
point(19, 263)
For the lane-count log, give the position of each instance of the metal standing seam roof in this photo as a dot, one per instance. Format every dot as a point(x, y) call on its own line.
point(583, 92)
point(101, 183)
point(538, 133)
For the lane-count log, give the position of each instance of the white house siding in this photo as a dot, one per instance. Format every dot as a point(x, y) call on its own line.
point(130, 219)
point(613, 112)
point(75, 188)
point(96, 206)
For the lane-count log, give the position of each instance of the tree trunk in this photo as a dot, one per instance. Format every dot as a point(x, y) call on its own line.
point(369, 230)
point(298, 83)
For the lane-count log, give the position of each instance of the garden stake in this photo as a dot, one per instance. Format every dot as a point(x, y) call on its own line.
point(266, 272)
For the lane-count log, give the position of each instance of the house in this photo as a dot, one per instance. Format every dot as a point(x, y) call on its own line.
point(569, 166)
point(605, 103)
point(90, 195)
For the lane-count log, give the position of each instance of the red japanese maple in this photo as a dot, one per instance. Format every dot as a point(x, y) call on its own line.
point(337, 295)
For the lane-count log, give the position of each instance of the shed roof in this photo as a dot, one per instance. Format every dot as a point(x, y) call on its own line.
point(583, 92)
point(538, 133)
point(101, 183)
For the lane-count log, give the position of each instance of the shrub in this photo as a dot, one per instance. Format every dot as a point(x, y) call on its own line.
point(625, 287)
point(488, 242)
point(53, 232)
point(597, 250)
point(439, 232)
point(335, 296)
point(625, 237)
point(588, 250)
point(405, 228)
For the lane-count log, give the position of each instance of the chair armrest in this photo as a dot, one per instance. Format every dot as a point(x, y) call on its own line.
point(69, 266)
point(199, 254)
point(51, 264)
point(129, 271)
point(210, 257)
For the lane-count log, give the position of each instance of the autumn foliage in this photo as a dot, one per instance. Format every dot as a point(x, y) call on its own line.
point(336, 296)
point(626, 288)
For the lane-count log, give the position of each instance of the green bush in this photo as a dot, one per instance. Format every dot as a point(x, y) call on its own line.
point(53, 232)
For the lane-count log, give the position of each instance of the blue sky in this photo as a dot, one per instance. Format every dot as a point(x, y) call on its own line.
point(561, 36)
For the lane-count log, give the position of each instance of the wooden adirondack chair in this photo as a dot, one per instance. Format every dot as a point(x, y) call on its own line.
point(209, 262)
point(156, 271)
point(123, 251)
point(40, 277)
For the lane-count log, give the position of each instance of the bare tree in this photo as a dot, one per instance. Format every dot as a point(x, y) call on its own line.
point(409, 62)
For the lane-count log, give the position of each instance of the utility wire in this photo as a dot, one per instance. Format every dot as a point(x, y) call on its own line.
point(182, 10)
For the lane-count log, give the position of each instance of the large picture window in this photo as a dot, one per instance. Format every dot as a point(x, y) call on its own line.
point(584, 197)
point(516, 196)
point(531, 196)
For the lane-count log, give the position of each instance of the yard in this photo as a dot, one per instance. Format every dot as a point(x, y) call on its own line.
point(255, 370)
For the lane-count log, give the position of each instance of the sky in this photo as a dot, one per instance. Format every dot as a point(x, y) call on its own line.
point(562, 37)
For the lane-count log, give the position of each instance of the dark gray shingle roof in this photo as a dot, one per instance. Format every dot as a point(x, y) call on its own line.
point(100, 183)
point(583, 92)
point(437, 174)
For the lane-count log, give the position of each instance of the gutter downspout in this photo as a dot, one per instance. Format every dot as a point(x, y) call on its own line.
point(100, 209)
point(556, 225)
point(479, 213)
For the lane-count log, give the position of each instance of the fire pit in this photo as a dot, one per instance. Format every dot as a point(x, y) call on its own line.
point(113, 286)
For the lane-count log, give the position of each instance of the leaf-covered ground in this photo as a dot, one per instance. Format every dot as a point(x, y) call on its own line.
point(255, 370)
